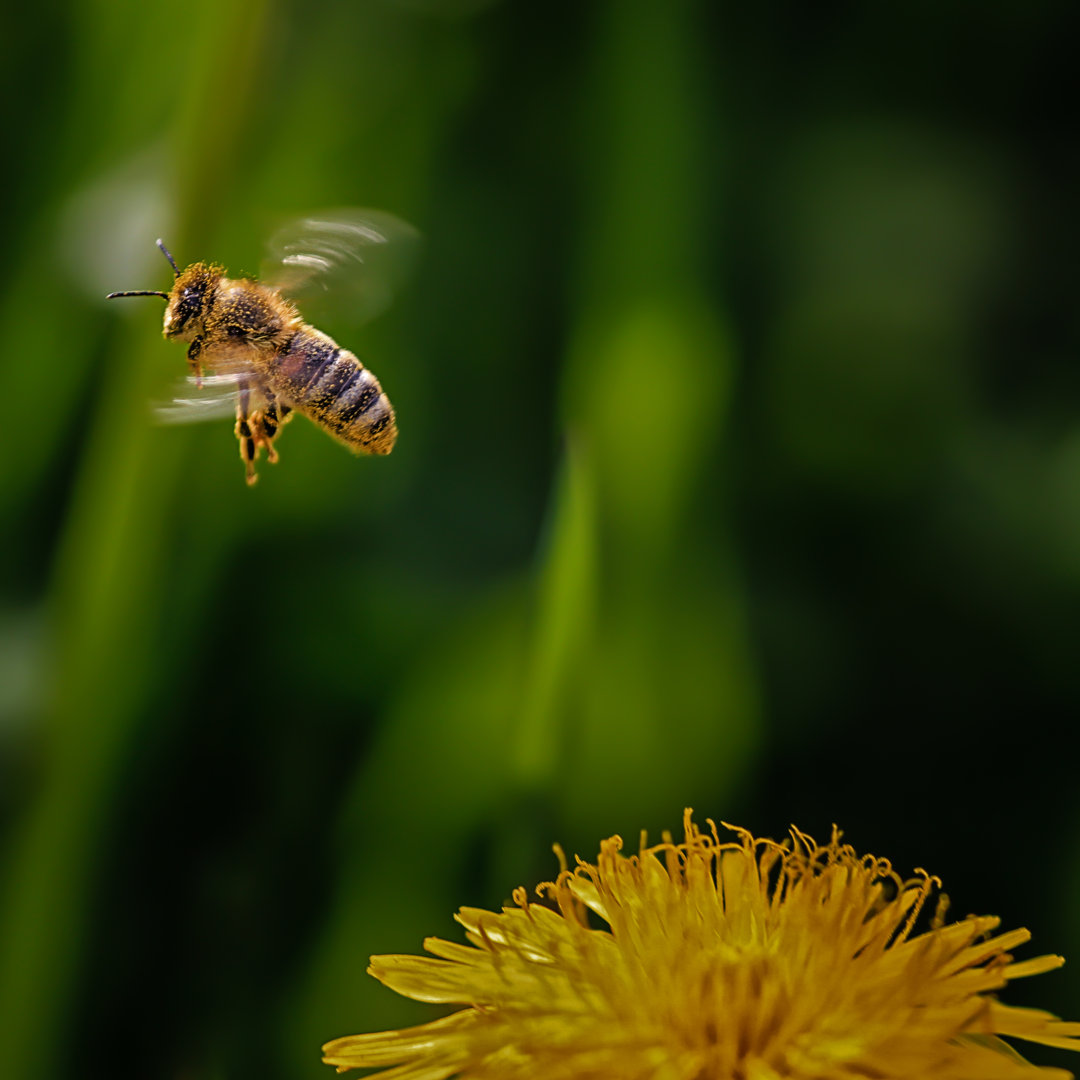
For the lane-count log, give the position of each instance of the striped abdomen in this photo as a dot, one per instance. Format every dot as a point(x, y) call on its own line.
point(330, 386)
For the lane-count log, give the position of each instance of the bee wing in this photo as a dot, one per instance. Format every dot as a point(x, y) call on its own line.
point(359, 256)
point(191, 403)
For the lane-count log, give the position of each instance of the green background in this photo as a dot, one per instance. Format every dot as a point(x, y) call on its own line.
point(739, 468)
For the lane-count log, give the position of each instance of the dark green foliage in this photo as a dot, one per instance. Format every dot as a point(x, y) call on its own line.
point(738, 468)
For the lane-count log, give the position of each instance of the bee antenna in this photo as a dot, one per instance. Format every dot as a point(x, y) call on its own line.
point(172, 261)
point(138, 292)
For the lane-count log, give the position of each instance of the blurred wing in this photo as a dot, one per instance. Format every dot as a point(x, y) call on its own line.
point(356, 258)
point(191, 404)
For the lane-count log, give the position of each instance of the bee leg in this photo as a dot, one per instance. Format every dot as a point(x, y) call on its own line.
point(270, 423)
point(265, 426)
point(249, 446)
point(264, 430)
point(193, 353)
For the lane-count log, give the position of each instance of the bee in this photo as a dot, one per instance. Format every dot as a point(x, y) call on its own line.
point(247, 336)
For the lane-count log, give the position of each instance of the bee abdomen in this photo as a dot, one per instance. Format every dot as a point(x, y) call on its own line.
point(335, 390)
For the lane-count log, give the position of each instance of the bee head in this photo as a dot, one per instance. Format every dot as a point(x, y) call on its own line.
point(188, 301)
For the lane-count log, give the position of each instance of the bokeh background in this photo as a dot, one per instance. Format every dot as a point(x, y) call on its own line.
point(739, 468)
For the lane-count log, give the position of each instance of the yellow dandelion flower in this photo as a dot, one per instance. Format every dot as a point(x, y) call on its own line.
point(738, 960)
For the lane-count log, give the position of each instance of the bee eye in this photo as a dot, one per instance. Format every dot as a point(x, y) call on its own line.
point(188, 306)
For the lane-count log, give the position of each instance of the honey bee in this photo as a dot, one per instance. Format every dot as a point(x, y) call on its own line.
point(246, 336)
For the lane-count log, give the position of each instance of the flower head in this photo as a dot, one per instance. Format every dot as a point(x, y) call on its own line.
point(741, 959)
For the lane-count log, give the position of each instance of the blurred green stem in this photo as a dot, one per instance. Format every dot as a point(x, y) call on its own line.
point(107, 608)
point(562, 625)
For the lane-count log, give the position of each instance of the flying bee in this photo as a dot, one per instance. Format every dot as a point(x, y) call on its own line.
point(248, 337)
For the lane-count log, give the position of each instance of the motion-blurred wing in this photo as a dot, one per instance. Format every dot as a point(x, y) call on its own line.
point(191, 403)
point(355, 258)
